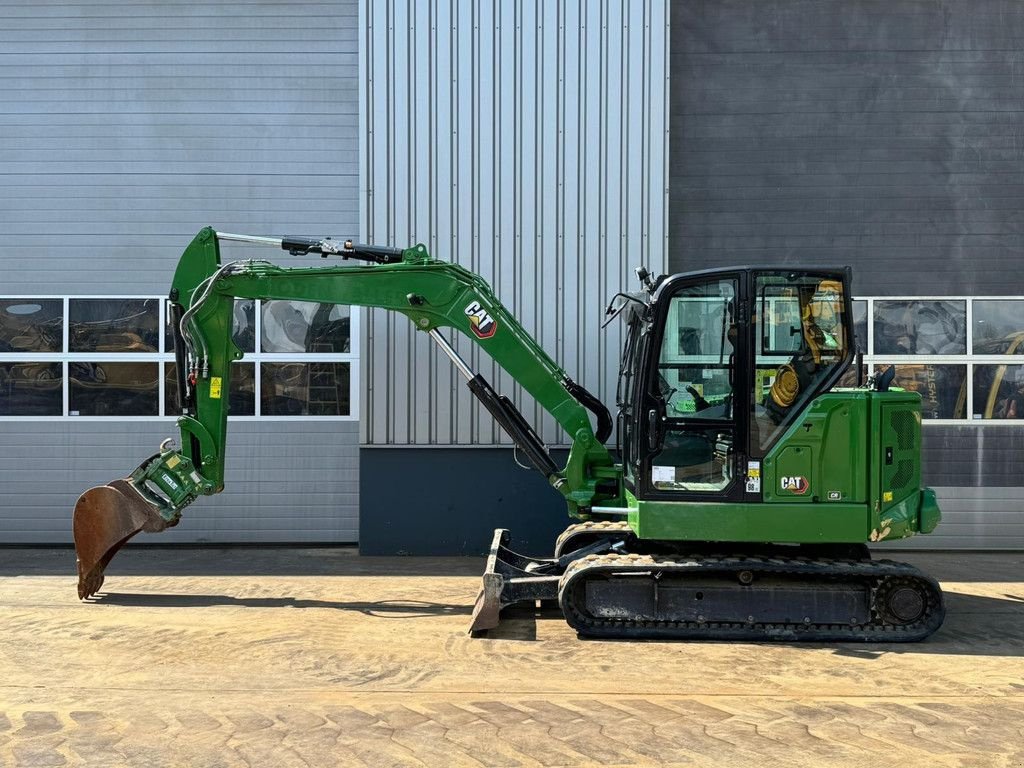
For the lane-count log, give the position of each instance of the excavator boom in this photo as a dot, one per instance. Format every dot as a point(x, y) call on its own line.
point(433, 294)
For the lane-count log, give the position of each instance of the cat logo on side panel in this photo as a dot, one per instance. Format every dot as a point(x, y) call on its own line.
point(480, 322)
point(797, 485)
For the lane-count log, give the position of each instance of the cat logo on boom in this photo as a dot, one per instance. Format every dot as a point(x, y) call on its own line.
point(481, 323)
point(797, 485)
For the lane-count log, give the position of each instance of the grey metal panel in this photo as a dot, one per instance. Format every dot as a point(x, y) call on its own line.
point(881, 135)
point(877, 135)
point(127, 126)
point(527, 142)
point(973, 456)
point(977, 474)
point(974, 518)
point(473, 490)
point(285, 481)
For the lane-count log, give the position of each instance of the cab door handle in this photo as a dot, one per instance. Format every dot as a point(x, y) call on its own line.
point(652, 429)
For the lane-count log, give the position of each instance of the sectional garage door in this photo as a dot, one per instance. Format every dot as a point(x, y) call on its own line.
point(125, 127)
point(884, 135)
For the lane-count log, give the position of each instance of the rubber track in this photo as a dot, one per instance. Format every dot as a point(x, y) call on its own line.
point(876, 572)
point(590, 528)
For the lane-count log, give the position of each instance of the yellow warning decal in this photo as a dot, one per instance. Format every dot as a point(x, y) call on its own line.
point(887, 496)
point(215, 388)
point(173, 462)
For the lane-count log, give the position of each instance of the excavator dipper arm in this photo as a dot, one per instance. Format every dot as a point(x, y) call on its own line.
point(432, 294)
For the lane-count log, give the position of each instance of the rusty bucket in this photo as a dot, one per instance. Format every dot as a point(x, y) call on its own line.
point(105, 517)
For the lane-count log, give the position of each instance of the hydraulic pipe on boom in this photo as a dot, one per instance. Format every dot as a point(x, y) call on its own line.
point(432, 294)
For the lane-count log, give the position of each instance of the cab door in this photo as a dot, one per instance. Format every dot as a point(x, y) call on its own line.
point(693, 398)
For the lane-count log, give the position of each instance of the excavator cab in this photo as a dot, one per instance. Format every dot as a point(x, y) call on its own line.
point(718, 367)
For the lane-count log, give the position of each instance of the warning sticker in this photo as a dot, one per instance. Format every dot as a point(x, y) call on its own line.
point(753, 477)
point(215, 387)
point(663, 474)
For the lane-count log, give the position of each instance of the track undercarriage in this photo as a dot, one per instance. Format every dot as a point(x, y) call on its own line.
point(609, 584)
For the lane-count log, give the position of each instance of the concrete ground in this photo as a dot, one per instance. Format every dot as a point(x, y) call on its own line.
point(319, 657)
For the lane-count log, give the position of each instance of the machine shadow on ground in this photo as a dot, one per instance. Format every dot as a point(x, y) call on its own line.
point(405, 609)
point(236, 560)
point(975, 625)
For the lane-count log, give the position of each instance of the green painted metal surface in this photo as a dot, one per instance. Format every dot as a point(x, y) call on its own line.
point(820, 448)
point(432, 294)
point(846, 471)
point(755, 522)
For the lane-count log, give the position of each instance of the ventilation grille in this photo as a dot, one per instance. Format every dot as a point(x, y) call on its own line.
point(902, 423)
point(904, 474)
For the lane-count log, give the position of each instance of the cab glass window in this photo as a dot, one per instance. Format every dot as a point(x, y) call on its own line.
point(695, 363)
point(800, 338)
point(694, 387)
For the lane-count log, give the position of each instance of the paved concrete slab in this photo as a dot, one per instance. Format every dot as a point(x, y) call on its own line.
point(318, 657)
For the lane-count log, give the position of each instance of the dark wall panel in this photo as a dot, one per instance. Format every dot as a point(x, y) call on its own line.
point(884, 134)
point(448, 501)
point(972, 457)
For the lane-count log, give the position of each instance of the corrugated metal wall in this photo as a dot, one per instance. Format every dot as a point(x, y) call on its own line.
point(284, 481)
point(527, 141)
point(880, 135)
point(125, 127)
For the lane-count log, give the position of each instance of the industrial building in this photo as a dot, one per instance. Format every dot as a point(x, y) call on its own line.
point(551, 147)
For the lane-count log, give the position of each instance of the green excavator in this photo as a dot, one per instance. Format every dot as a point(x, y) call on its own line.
point(747, 484)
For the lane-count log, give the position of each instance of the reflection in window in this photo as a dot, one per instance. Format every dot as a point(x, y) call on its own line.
point(849, 378)
point(31, 325)
point(942, 388)
point(999, 391)
point(114, 325)
point(304, 389)
point(694, 381)
point(927, 327)
point(243, 331)
point(998, 327)
point(113, 389)
point(304, 326)
point(696, 351)
point(800, 339)
point(241, 398)
point(31, 389)
point(860, 326)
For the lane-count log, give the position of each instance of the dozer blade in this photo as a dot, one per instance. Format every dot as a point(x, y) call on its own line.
point(105, 518)
point(510, 578)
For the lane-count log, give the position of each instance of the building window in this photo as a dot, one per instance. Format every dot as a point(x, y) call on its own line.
point(961, 354)
point(305, 389)
point(942, 388)
point(998, 327)
point(999, 391)
point(241, 393)
point(31, 325)
point(920, 327)
point(31, 389)
point(304, 326)
point(114, 325)
point(81, 357)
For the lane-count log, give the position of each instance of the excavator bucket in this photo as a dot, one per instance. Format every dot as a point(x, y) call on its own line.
point(105, 518)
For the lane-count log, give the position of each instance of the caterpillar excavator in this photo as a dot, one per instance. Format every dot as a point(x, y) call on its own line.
point(747, 482)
